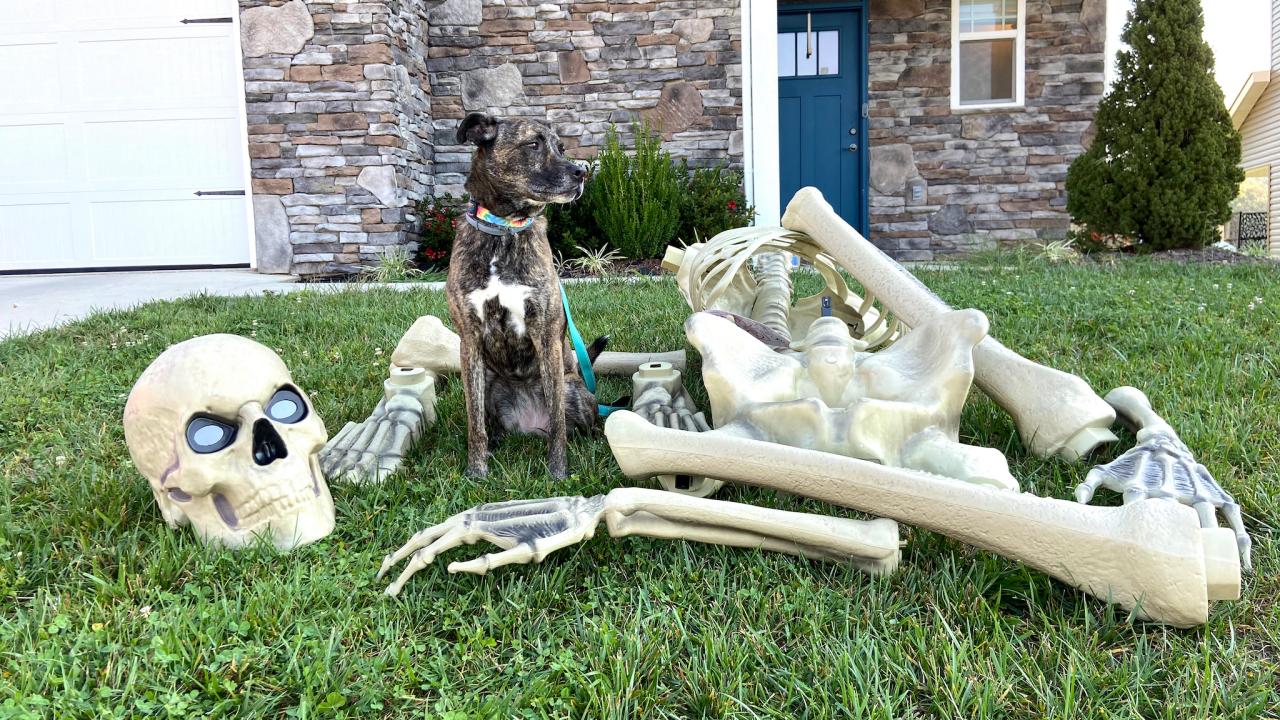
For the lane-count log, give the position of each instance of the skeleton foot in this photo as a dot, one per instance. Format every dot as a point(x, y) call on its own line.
point(529, 530)
point(1161, 466)
point(372, 450)
point(659, 397)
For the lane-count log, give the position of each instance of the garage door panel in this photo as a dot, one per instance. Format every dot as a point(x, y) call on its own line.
point(140, 13)
point(163, 232)
point(34, 157)
point(27, 16)
point(32, 81)
point(181, 152)
point(36, 236)
point(156, 72)
point(114, 114)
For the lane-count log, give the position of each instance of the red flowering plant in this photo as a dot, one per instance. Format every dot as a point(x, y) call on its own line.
point(440, 217)
point(712, 202)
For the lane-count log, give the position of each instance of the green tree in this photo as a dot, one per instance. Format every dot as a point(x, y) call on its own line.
point(1164, 166)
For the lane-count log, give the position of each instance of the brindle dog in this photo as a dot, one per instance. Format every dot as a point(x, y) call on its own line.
point(504, 295)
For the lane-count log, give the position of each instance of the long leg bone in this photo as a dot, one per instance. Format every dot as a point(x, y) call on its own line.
point(429, 344)
point(1055, 412)
point(1150, 557)
point(623, 364)
point(529, 530)
point(1161, 466)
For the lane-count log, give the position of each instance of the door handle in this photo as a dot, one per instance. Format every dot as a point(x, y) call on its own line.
point(853, 147)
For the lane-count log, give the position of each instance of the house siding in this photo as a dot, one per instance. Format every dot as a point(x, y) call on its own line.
point(1260, 134)
point(1260, 144)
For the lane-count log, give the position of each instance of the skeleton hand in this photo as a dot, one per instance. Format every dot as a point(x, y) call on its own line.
point(373, 449)
point(1161, 466)
point(526, 530)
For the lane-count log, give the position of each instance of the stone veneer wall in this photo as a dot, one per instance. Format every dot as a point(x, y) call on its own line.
point(339, 129)
point(991, 177)
point(581, 66)
point(353, 110)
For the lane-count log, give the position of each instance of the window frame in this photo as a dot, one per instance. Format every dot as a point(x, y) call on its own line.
point(1019, 37)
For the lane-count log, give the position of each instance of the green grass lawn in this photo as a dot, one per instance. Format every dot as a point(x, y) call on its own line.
point(105, 612)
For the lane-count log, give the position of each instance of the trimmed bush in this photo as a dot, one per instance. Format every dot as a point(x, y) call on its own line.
point(635, 199)
point(1164, 166)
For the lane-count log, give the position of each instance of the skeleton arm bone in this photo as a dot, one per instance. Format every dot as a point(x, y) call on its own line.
point(529, 530)
point(1150, 557)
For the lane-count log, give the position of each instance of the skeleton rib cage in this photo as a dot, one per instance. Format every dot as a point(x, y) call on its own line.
point(719, 277)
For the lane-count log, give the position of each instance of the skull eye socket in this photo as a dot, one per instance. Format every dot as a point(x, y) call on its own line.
point(209, 435)
point(287, 406)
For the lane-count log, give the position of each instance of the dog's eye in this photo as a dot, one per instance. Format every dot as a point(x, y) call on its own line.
point(534, 144)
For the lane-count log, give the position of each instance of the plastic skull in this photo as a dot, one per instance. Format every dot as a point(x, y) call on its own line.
point(229, 444)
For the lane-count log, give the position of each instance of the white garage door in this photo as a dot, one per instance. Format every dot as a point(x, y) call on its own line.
point(113, 116)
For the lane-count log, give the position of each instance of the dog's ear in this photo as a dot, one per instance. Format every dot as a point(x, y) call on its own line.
point(478, 128)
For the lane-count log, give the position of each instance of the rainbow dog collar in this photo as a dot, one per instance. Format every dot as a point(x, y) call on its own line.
point(482, 219)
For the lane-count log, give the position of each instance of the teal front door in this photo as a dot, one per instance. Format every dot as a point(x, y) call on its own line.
point(821, 91)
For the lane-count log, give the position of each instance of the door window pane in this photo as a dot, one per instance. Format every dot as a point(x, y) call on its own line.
point(988, 15)
point(806, 54)
point(829, 52)
point(786, 55)
point(987, 71)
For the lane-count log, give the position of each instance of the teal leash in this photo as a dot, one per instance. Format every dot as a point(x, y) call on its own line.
point(584, 360)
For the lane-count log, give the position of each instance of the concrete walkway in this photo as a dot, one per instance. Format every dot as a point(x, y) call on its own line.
point(34, 302)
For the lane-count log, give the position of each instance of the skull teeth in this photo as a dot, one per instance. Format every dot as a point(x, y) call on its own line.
point(274, 501)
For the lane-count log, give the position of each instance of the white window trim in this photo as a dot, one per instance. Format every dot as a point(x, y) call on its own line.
point(761, 162)
point(1019, 52)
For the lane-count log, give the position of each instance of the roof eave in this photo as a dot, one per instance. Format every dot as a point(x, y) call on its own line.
point(1248, 97)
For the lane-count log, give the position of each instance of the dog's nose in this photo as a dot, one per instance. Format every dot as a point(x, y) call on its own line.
point(579, 172)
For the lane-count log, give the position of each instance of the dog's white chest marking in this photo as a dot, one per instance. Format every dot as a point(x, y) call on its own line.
point(511, 296)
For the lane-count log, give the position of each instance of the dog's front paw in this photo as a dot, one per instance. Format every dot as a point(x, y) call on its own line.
point(479, 470)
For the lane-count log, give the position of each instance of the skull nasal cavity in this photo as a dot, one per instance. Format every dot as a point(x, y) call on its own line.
point(267, 445)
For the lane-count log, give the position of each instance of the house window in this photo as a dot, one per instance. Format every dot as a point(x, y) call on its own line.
point(988, 52)
point(806, 54)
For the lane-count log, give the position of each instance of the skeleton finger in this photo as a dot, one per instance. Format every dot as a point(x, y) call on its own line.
point(1085, 490)
point(420, 539)
point(521, 554)
point(534, 550)
point(425, 557)
point(1231, 511)
point(1134, 493)
point(1208, 514)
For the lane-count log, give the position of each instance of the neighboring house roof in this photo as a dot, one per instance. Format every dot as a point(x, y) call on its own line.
point(1248, 97)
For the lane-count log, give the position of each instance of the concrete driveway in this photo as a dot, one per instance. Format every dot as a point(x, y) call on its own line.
point(34, 302)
